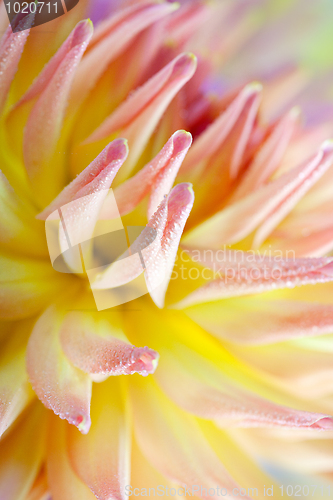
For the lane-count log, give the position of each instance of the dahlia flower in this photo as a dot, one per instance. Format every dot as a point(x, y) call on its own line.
point(221, 310)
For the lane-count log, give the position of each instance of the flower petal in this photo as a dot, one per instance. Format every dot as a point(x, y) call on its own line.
point(129, 265)
point(274, 320)
point(64, 483)
point(18, 227)
point(199, 387)
point(95, 178)
point(97, 347)
point(44, 124)
point(269, 155)
point(21, 454)
point(27, 286)
point(173, 442)
point(15, 390)
point(264, 279)
point(101, 459)
point(272, 201)
point(180, 202)
point(59, 385)
point(138, 116)
point(11, 48)
point(110, 39)
point(73, 215)
point(156, 178)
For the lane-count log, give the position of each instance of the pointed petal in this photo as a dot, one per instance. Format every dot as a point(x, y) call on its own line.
point(110, 39)
point(271, 201)
point(21, 454)
point(63, 482)
point(274, 320)
point(15, 390)
point(269, 155)
point(156, 178)
point(94, 347)
point(44, 124)
point(61, 387)
point(199, 387)
point(138, 116)
point(235, 123)
point(73, 215)
point(101, 459)
point(180, 202)
point(11, 48)
point(78, 36)
point(173, 441)
point(97, 177)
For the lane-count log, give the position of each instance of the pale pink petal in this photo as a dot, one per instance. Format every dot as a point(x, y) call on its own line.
point(269, 155)
point(156, 178)
point(157, 274)
point(261, 279)
point(73, 215)
point(62, 480)
point(270, 202)
point(173, 441)
point(274, 320)
point(184, 23)
point(314, 245)
point(138, 116)
point(111, 38)
point(236, 122)
point(44, 124)
point(15, 390)
point(11, 48)
point(285, 207)
point(201, 388)
point(95, 179)
point(77, 37)
point(21, 454)
point(57, 383)
point(94, 348)
point(101, 459)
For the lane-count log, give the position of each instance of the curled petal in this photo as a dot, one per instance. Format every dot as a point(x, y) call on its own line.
point(155, 179)
point(94, 179)
point(93, 347)
point(269, 203)
point(101, 459)
point(138, 116)
point(59, 385)
point(45, 120)
point(180, 202)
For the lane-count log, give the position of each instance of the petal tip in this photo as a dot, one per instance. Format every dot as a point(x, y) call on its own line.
point(181, 140)
point(82, 32)
point(185, 66)
point(117, 150)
